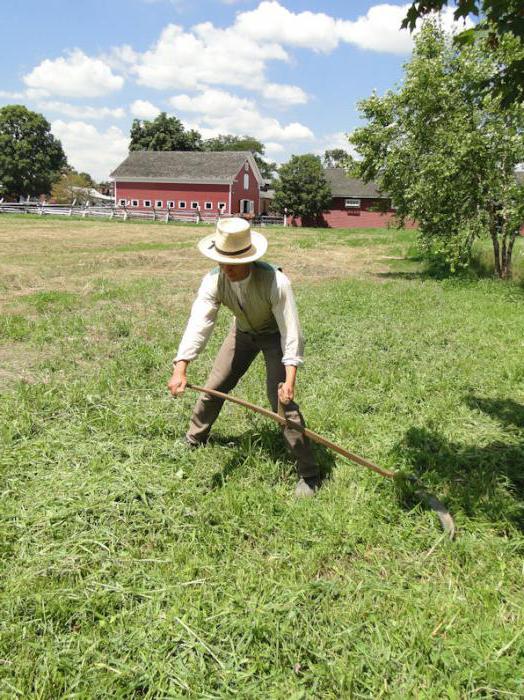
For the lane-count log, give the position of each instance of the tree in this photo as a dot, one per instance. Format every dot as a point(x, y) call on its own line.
point(446, 152)
point(228, 142)
point(498, 18)
point(69, 187)
point(302, 188)
point(30, 156)
point(163, 134)
point(339, 158)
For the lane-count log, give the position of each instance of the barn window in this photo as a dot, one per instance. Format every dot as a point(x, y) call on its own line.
point(170, 205)
point(246, 181)
point(134, 202)
point(122, 202)
point(194, 205)
point(181, 204)
point(208, 205)
point(221, 206)
point(159, 204)
point(352, 203)
point(246, 166)
point(147, 202)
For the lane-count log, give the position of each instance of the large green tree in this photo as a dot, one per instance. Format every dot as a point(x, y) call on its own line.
point(302, 188)
point(446, 152)
point(30, 156)
point(228, 142)
point(497, 19)
point(164, 133)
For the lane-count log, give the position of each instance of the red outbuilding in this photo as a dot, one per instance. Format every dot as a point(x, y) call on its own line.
point(354, 204)
point(181, 181)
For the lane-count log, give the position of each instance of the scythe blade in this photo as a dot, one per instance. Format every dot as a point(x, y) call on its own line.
point(431, 501)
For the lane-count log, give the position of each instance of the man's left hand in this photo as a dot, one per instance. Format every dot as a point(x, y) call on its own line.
point(286, 393)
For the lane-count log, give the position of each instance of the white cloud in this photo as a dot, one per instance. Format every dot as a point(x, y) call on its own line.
point(224, 113)
point(120, 58)
point(285, 95)
point(378, 30)
point(90, 150)
point(204, 56)
point(271, 21)
point(272, 147)
point(77, 75)
point(81, 111)
point(143, 109)
point(6, 95)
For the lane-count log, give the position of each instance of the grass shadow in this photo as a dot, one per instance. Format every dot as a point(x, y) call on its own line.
point(483, 480)
point(270, 441)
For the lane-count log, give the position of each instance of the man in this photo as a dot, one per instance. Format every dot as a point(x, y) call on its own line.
point(266, 320)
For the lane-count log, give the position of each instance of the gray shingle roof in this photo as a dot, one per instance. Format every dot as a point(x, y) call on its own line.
point(344, 186)
point(183, 166)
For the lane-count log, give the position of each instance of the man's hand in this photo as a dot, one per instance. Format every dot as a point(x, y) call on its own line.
point(286, 391)
point(178, 381)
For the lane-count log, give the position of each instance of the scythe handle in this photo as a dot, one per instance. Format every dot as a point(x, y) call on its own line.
point(285, 422)
point(445, 518)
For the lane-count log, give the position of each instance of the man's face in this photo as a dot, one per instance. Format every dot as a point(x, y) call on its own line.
point(235, 273)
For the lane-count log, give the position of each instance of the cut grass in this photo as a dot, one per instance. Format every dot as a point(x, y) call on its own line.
point(132, 567)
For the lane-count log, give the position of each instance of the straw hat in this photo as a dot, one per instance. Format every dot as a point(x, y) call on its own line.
point(233, 242)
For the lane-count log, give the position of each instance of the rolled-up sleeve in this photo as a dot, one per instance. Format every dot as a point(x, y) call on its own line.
point(286, 315)
point(201, 320)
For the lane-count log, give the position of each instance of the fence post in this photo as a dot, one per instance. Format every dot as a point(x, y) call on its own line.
point(167, 216)
point(125, 213)
point(285, 216)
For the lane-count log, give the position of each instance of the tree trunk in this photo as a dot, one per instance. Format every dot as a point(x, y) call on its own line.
point(508, 252)
point(496, 249)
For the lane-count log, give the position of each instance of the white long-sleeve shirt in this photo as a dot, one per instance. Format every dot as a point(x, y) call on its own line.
point(205, 309)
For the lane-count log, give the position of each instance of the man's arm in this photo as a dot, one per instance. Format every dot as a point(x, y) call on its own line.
point(286, 315)
point(198, 330)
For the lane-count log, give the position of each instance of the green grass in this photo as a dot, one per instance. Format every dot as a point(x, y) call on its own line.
point(131, 567)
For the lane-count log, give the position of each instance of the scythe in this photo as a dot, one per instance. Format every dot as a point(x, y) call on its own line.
point(431, 501)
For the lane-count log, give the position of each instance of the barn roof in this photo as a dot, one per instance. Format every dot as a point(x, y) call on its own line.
point(208, 167)
point(344, 186)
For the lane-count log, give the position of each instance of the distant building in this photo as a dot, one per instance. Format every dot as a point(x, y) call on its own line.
point(354, 204)
point(210, 182)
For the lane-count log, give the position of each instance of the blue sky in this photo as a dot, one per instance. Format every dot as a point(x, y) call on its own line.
point(289, 73)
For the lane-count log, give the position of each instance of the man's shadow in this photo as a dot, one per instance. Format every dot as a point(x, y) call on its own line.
point(270, 441)
point(483, 480)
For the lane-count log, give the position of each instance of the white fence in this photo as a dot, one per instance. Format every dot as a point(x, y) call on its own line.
point(104, 211)
point(109, 211)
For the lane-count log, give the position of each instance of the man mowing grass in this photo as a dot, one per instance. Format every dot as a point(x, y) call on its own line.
point(266, 320)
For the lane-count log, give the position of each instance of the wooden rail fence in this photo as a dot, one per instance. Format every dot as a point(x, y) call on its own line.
point(110, 211)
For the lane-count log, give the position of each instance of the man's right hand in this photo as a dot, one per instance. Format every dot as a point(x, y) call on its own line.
point(178, 381)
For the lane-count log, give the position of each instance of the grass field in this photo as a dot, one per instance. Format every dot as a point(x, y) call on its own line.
point(131, 567)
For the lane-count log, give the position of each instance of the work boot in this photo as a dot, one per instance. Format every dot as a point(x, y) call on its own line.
point(307, 486)
point(192, 444)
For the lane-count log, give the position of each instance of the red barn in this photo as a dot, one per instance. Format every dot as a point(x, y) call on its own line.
point(181, 181)
point(355, 204)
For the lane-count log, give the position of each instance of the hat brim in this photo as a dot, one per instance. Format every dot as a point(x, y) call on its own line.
point(258, 247)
